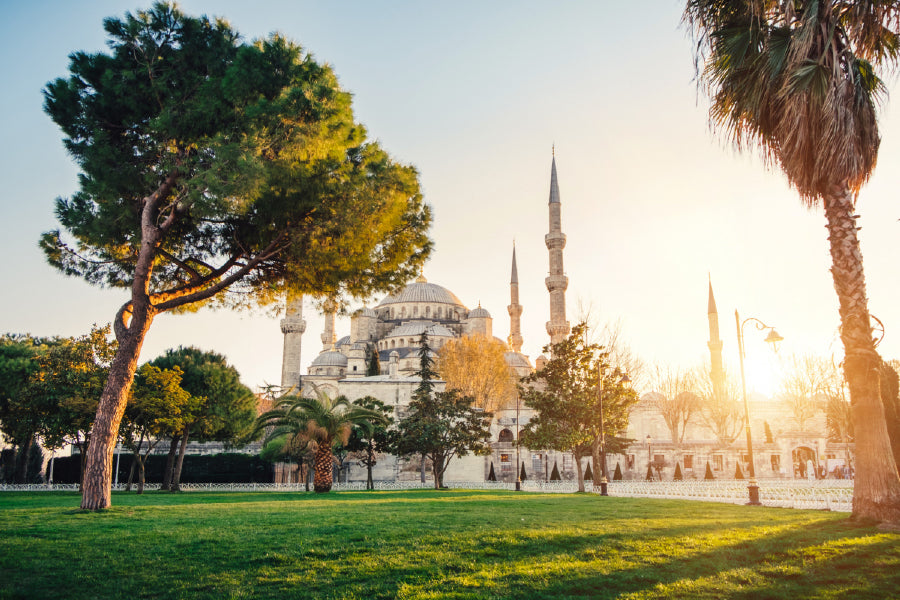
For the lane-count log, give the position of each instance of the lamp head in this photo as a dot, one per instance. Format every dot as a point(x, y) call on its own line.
point(625, 380)
point(773, 338)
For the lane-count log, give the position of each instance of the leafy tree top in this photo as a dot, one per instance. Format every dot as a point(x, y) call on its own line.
point(213, 168)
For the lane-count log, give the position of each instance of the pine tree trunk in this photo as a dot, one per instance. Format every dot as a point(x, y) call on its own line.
point(22, 458)
point(597, 471)
point(324, 467)
point(96, 491)
point(170, 464)
point(876, 489)
point(140, 462)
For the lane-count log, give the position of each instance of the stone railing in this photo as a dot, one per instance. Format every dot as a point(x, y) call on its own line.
point(828, 494)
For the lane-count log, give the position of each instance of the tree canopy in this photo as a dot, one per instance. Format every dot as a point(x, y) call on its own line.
point(217, 170)
point(475, 366)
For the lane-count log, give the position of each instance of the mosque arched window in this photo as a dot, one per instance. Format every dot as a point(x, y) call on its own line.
point(437, 312)
point(392, 313)
point(393, 344)
point(415, 311)
point(402, 311)
point(427, 311)
point(506, 437)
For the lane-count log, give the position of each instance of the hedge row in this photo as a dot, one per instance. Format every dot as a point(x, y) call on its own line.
point(214, 468)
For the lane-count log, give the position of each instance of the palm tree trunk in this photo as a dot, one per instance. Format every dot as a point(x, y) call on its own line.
point(876, 489)
point(324, 465)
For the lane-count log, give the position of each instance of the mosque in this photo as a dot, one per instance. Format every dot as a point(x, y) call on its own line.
point(392, 329)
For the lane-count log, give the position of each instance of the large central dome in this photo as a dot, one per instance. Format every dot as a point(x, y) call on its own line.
point(422, 291)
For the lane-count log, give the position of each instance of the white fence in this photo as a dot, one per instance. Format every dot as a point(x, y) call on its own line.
point(836, 495)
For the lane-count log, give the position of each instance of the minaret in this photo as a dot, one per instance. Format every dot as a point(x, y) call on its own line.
point(717, 371)
point(328, 337)
point(292, 326)
point(557, 282)
point(514, 308)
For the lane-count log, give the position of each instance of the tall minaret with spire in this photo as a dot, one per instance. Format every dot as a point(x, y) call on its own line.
point(514, 308)
point(292, 326)
point(717, 371)
point(557, 282)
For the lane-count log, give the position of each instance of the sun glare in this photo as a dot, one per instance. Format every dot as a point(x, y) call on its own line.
point(763, 375)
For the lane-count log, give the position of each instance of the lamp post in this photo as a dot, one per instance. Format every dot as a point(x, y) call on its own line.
point(518, 472)
point(772, 338)
point(649, 457)
point(625, 380)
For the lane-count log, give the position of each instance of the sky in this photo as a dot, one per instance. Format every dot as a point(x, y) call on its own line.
point(476, 95)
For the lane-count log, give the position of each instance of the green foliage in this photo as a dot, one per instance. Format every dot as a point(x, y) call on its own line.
point(738, 472)
point(588, 474)
point(492, 476)
point(565, 397)
point(678, 475)
point(370, 441)
point(770, 439)
point(198, 468)
point(649, 476)
point(522, 475)
point(226, 407)
point(241, 160)
point(373, 365)
point(709, 474)
point(440, 425)
point(617, 475)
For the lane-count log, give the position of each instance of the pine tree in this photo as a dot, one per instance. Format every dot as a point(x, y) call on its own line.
point(588, 474)
point(522, 475)
point(678, 476)
point(738, 473)
point(649, 472)
point(554, 474)
point(617, 476)
point(492, 476)
point(709, 473)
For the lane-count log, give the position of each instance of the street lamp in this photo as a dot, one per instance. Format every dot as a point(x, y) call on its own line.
point(625, 380)
point(772, 338)
point(518, 472)
point(649, 458)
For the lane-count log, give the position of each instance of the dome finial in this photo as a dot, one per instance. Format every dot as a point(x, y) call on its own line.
point(421, 278)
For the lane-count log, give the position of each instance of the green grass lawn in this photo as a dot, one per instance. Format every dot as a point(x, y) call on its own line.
point(425, 544)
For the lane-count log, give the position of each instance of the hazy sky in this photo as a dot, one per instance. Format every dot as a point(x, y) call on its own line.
point(474, 94)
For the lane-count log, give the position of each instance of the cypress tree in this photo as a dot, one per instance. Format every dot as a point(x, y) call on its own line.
point(491, 475)
point(522, 476)
point(588, 474)
point(678, 476)
point(554, 475)
point(649, 472)
point(738, 473)
point(709, 473)
point(617, 476)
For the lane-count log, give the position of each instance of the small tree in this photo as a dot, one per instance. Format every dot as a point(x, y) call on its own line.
point(158, 407)
point(368, 442)
point(617, 475)
point(678, 476)
point(649, 472)
point(440, 425)
point(709, 473)
point(554, 474)
point(475, 366)
point(522, 475)
point(588, 475)
point(491, 475)
point(738, 473)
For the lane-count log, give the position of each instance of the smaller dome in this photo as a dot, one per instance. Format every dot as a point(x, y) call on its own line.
point(365, 311)
point(479, 313)
point(343, 341)
point(515, 359)
point(330, 359)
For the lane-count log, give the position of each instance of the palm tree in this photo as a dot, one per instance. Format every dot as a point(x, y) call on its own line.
point(795, 80)
point(321, 422)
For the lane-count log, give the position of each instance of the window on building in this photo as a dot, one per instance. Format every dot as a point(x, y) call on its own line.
point(718, 463)
point(629, 461)
point(415, 311)
point(505, 458)
point(506, 437)
point(776, 462)
point(427, 311)
point(688, 461)
point(658, 458)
